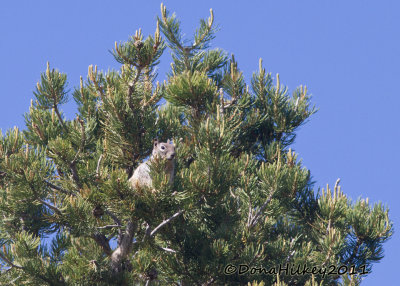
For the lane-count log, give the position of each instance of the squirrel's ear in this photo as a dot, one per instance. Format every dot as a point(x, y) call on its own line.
point(155, 142)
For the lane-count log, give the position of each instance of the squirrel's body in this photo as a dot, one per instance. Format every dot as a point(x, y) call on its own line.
point(141, 176)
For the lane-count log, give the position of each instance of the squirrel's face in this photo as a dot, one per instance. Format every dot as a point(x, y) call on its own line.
point(164, 150)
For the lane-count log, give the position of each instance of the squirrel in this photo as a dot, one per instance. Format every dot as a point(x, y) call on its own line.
point(165, 150)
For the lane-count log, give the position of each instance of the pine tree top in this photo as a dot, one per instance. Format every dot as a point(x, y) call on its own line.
point(240, 199)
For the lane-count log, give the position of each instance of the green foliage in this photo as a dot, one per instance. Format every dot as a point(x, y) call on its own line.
point(51, 92)
point(194, 90)
point(240, 195)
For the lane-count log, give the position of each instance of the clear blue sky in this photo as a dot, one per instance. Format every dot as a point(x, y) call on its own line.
point(346, 52)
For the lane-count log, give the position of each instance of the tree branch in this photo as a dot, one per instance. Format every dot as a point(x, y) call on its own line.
point(209, 282)
point(108, 226)
point(254, 220)
point(9, 262)
point(249, 216)
point(72, 165)
point(147, 232)
point(51, 185)
point(117, 222)
point(165, 222)
point(124, 247)
point(83, 139)
point(114, 217)
point(131, 87)
point(44, 278)
point(54, 208)
point(167, 249)
point(59, 117)
point(102, 241)
point(98, 166)
point(75, 175)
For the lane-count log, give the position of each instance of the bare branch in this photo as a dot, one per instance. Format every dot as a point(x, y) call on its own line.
point(9, 262)
point(98, 166)
point(147, 232)
point(102, 241)
point(114, 217)
point(124, 247)
point(44, 278)
point(51, 185)
point(117, 222)
point(54, 208)
point(254, 220)
point(249, 217)
point(290, 255)
point(168, 249)
point(108, 226)
point(209, 282)
point(13, 281)
point(74, 172)
point(165, 222)
point(232, 102)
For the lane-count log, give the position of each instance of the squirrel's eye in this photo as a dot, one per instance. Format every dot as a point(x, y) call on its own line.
point(162, 147)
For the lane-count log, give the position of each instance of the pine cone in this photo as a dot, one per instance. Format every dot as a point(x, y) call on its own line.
point(97, 211)
point(151, 274)
point(138, 44)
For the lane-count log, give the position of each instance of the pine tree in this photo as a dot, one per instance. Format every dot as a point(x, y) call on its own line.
point(240, 198)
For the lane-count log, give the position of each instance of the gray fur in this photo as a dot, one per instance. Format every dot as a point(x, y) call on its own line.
point(141, 176)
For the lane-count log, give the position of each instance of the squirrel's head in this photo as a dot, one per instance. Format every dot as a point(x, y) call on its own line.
point(164, 149)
